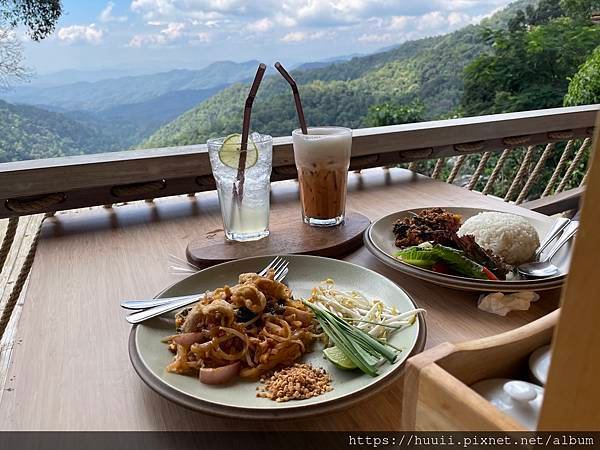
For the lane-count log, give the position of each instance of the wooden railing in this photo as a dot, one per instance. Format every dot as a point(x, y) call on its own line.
point(30, 187)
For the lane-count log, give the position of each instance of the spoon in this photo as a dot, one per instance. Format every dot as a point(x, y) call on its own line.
point(545, 268)
point(559, 225)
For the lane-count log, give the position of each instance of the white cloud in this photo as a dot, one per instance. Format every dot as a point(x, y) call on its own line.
point(200, 38)
point(399, 22)
point(299, 36)
point(376, 38)
point(147, 40)
point(173, 32)
point(432, 21)
point(106, 15)
point(368, 22)
point(81, 33)
point(260, 26)
point(152, 9)
point(295, 36)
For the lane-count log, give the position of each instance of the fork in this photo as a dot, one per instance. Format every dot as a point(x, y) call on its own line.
point(161, 306)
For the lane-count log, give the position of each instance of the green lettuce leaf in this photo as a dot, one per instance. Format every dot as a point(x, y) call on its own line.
point(455, 259)
point(418, 256)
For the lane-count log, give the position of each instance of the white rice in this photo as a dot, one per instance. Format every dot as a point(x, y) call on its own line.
point(509, 236)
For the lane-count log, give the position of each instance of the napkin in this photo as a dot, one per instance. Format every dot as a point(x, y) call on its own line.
point(502, 304)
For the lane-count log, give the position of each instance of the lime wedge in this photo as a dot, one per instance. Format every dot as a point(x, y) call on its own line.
point(229, 154)
point(337, 357)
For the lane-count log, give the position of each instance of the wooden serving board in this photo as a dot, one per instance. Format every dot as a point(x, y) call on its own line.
point(289, 235)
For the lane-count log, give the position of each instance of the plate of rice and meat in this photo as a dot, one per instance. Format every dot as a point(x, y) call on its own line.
point(331, 333)
point(464, 248)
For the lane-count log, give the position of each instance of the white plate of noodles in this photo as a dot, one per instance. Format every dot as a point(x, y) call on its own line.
point(238, 398)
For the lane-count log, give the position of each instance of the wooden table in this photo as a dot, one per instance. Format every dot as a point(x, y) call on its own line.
point(70, 369)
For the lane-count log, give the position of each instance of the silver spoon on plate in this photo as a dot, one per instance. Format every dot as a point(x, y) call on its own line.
point(544, 268)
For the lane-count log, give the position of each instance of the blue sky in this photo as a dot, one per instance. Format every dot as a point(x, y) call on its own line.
point(165, 34)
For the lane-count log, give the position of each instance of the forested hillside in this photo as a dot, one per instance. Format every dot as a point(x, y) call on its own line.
point(27, 132)
point(108, 93)
point(120, 112)
point(428, 71)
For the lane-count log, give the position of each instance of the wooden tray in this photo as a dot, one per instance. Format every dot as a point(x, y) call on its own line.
point(437, 382)
point(289, 235)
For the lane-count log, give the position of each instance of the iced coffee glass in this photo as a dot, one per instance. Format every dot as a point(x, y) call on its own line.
point(322, 158)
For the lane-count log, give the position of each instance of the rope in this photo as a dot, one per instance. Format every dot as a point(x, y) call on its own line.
point(585, 177)
point(497, 171)
point(480, 168)
point(457, 165)
point(559, 167)
point(516, 141)
point(421, 153)
point(35, 205)
point(536, 173)
point(520, 174)
point(9, 238)
point(573, 165)
point(138, 189)
point(20, 282)
point(412, 167)
point(437, 170)
point(560, 135)
point(470, 147)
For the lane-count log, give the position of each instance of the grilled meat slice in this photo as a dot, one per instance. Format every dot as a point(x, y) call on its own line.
point(480, 255)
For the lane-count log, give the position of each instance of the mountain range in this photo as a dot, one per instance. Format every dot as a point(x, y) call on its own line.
point(427, 71)
point(188, 106)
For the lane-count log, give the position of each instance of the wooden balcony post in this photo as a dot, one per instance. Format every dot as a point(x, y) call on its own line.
point(572, 392)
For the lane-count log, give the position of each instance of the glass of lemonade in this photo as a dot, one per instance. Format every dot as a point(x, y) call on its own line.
point(322, 158)
point(245, 216)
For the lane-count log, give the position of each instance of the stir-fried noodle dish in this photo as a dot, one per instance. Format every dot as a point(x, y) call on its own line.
point(247, 329)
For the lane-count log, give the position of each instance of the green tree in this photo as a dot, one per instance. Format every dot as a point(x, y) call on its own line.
point(545, 11)
point(584, 88)
point(580, 9)
point(38, 16)
point(389, 114)
point(528, 67)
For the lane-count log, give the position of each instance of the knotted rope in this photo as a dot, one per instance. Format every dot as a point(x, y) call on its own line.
point(421, 153)
point(138, 188)
point(516, 141)
point(497, 171)
point(573, 165)
point(480, 168)
point(20, 281)
point(437, 170)
point(585, 177)
point(560, 135)
point(559, 167)
point(457, 166)
point(36, 205)
point(520, 174)
point(536, 172)
point(470, 147)
point(7, 241)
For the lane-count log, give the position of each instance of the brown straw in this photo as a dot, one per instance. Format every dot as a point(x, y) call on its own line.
point(294, 86)
point(239, 193)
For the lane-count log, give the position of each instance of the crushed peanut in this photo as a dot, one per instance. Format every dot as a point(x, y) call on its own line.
point(297, 382)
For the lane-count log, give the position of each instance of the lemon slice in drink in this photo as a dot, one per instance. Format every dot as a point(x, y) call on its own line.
point(337, 357)
point(229, 154)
